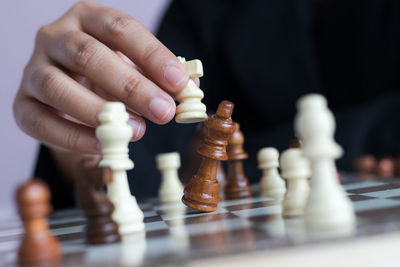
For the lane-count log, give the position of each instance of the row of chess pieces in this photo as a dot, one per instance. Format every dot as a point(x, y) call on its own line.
point(115, 212)
point(382, 167)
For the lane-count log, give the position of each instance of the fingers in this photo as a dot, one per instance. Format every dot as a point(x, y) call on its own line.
point(53, 87)
point(42, 123)
point(124, 33)
point(83, 54)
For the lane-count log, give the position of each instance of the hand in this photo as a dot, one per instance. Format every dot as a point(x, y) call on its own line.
point(74, 70)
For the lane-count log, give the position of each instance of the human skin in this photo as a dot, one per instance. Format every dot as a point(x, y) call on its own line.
point(91, 55)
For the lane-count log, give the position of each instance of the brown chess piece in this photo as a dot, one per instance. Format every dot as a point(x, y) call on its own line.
point(237, 185)
point(386, 167)
point(90, 188)
point(202, 191)
point(295, 143)
point(38, 246)
point(366, 165)
point(192, 161)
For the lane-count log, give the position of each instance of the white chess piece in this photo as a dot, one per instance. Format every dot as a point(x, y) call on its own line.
point(171, 189)
point(295, 168)
point(190, 108)
point(328, 207)
point(271, 184)
point(114, 134)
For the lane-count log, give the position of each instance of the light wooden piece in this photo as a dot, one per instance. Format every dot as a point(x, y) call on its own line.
point(295, 168)
point(171, 188)
point(115, 134)
point(38, 246)
point(190, 108)
point(328, 207)
point(271, 183)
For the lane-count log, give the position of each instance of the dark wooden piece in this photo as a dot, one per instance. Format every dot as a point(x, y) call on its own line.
point(90, 188)
point(38, 246)
point(386, 167)
point(237, 183)
point(295, 143)
point(366, 165)
point(202, 191)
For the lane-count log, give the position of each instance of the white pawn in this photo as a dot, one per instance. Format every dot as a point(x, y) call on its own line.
point(190, 108)
point(271, 184)
point(171, 189)
point(328, 207)
point(295, 168)
point(114, 134)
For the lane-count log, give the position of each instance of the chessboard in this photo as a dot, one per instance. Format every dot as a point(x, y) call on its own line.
point(242, 231)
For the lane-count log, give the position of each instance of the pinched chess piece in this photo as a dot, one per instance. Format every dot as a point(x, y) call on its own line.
point(38, 246)
point(237, 185)
point(190, 108)
point(202, 191)
point(90, 189)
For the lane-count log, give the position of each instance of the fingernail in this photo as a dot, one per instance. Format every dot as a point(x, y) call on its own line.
point(175, 76)
point(160, 108)
point(136, 127)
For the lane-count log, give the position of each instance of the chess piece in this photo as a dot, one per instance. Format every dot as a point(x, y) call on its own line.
point(202, 191)
point(190, 108)
point(295, 168)
point(295, 143)
point(237, 183)
point(328, 208)
point(366, 165)
point(271, 184)
point(171, 188)
point(114, 134)
point(90, 189)
point(386, 167)
point(38, 245)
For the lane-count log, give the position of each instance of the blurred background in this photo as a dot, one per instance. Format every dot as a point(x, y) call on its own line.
point(19, 22)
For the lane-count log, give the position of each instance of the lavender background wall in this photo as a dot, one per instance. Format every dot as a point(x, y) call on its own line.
point(19, 21)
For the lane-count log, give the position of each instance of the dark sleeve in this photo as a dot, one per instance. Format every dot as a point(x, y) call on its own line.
point(62, 194)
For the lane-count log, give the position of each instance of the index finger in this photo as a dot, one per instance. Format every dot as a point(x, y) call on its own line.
point(124, 33)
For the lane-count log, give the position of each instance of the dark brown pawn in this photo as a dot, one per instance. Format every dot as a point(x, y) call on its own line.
point(237, 185)
point(202, 191)
point(38, 246)
point(100, 228)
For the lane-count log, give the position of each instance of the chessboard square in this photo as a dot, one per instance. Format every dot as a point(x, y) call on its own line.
point(384, 194)
point(234, 202)
point(374, 204)
point(217, 226)
point(355, 198)
point(149, 213)
point(203, 219)
point(156, 218)
point(153, 226)
point(68, 230)
point(258, 211)
point(190, 213)
point(251, 205)
point(374, 189)
point(363, 184)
